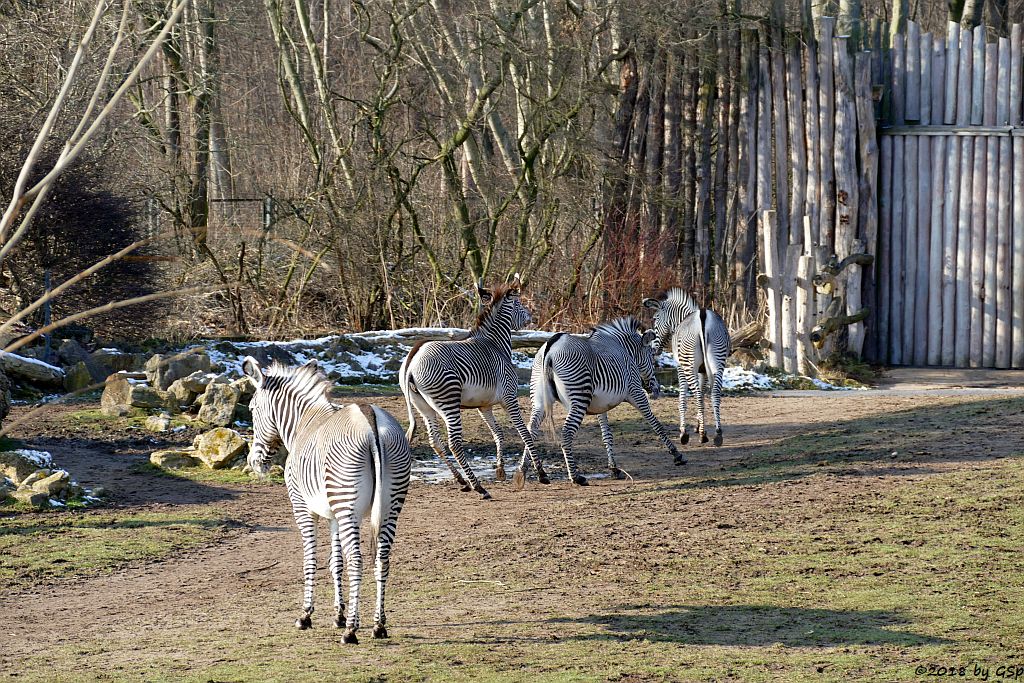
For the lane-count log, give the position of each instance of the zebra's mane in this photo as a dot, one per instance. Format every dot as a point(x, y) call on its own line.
point(498, 294)
point(303, 380)
point(625, 326)
point(679, 297)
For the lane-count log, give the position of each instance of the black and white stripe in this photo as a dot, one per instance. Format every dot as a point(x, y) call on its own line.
point(700, 341)
point(443, 378)
point(345, 463)
point(592, 375)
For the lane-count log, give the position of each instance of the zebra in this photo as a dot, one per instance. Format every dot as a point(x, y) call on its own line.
point(344, 463)
point(442, 378)
point(592, 375)
point(700, 341)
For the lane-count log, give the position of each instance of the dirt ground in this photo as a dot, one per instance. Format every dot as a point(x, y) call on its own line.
point(487, 589)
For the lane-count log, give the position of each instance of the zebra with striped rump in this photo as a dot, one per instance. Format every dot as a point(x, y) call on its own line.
point(344, 463)
point(700, 342)
point(443, 378)
point(592, 375)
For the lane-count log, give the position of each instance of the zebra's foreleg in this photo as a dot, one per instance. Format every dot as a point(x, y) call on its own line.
point(336, 569)
point(453, 422)
point(639, 400)
point(307, 530)
point(499, 467)
point(716, 405)
point(349, 530)
point(530, 447)
point(684, 394)
point(569, 429)
point(606, 436)
point(437, 443)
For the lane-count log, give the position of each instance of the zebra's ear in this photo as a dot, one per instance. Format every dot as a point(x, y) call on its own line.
point(652, 303)
point(311, 365)
point(251, 368)
point(517, 282)
point(485, 294)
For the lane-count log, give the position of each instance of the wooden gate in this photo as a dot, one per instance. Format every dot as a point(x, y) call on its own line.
point(950, 267)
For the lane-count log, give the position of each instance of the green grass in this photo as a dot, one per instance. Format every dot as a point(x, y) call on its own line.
point(94, 419)
point(53, 545)
point(205, 475)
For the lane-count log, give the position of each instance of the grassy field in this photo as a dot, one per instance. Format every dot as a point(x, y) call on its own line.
point(808, 548)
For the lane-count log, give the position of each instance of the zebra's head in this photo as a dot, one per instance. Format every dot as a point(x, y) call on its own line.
point(504, 306)
point(265, 436)
point(670, 310)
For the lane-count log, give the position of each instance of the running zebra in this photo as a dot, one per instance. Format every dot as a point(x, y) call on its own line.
point(344, 463)
point(700, 341)
point(592, 375)
point(442, 378)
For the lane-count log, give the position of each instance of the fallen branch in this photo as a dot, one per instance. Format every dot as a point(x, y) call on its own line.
point(833, 320)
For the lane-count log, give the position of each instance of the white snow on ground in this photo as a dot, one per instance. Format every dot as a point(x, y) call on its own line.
point(38, 458)
point(346, 358)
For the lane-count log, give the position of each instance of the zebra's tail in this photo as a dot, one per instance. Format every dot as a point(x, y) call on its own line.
point(380, 496)
point(543, 387)
point(403, 382)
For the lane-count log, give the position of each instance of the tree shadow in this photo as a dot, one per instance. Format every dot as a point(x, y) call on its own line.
point(753, 626)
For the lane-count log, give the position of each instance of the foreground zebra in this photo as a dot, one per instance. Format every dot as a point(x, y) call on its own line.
point(344, 463)
point(592, 375)
point(442, 378)
point(700, 341)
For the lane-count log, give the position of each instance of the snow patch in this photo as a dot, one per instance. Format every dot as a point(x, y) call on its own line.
point(41, 459)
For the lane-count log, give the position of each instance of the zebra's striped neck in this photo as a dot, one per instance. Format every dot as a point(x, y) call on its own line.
point(299, 396)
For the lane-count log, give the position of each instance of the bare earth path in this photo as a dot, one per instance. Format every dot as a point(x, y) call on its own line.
point(621, 580)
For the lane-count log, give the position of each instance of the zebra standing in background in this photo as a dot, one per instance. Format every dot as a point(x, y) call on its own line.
point(441, 378)
point(592, 375)
point(344, 463)
point(700, 341)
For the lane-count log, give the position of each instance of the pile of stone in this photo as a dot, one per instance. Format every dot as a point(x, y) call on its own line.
point(175, 384)
point(68, 367)
point(31, 477)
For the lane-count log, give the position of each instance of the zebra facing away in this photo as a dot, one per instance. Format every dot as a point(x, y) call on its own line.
point(344, 463)
point(442, 378)
point(592, 375)
point(700, 342)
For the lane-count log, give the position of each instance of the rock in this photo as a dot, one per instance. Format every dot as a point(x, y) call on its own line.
point(145, 396)
point(78, 376)
point(163, 370)
point(264, 355)
point(116, 398)
point(245, 389)
point(19, 465)
point(157, 423)
point(168, 460)
point(29, 481)
point(199, 380)
point(219, 447)
point(99, 492)
point(71, 352)
point(114, 360)
point(31, 370)
point(34, 498)
point(219, 403)
point(53, 485)
point(5, 396)
point(182, 395)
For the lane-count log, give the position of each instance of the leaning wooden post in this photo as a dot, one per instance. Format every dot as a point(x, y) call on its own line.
point(771, 283)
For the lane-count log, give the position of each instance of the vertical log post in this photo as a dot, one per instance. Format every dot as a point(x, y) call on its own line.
point(804, 312)
point(962, 328)
point(826, 129)
point(770, 250)
point(847, 190)
point(924, 206)
point(989, 259)
point(867, 210)
point(935, 260)
point(1017, 227)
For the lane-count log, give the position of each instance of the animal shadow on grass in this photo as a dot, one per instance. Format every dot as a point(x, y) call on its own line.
point(753, 625)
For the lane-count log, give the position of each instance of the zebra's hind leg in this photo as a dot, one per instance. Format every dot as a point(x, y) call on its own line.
point(453, 422)
point(381, 568)
point(349, 531)
point(684, 395)
point(606, 436)
point(499, 458)
point(336, 569)
point(699, 381)
point(572, 425)
point(716, 405)
point(437, 443)
point(307, 530)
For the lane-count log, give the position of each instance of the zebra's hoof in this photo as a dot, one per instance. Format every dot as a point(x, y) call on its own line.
point(350, 637)
point(703, 438)
point(339, 619)
point(379, 631)
point(482, 491)
point(518, 480)
point(718, 439)
point(542, 477)
point(580, 480)
point(304, 622)
point(465, 488)
point(617, 473)
point(679, 460)
point(499, 474)
point(685, 438)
